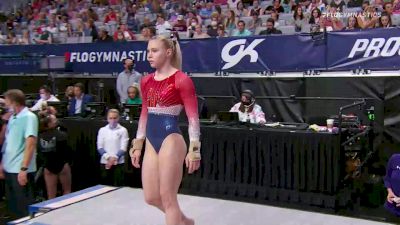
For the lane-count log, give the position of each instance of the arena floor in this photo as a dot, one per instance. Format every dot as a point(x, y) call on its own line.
point(126, 206)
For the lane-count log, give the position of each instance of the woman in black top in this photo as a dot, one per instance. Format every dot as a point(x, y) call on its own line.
point(54, 152)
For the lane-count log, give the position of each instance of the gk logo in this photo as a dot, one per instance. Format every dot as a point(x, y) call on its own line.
point(232, 60)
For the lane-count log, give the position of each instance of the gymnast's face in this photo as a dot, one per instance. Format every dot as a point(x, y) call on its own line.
point(157, 53)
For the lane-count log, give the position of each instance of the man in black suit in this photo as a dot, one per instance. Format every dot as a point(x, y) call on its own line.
point(270, 28)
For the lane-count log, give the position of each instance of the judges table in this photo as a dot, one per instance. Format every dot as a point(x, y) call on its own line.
point(250, 164)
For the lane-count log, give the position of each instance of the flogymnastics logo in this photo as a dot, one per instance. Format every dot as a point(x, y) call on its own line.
point(376, 47)
point(104, 56)
point(232, 60)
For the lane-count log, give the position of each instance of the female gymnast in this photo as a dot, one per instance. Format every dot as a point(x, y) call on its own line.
point(165, 93)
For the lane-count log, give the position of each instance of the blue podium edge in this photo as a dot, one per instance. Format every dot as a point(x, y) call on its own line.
point(42, 206)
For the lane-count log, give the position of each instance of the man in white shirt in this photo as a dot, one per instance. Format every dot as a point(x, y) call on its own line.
point(163, 27)
point(128, 77)
point(45, 96)
point(248, 110)
point(112, 143)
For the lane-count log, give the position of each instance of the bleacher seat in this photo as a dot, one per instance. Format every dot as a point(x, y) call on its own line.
point(183, 35)
point(72, 40)
point(287, 29)
point(396, 19)
point(86, 39)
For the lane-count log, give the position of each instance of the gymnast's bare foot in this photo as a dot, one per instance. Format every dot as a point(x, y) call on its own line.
point(188, 221)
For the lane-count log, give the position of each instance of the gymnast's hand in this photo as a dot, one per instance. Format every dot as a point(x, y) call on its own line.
point(193, 157)
point(191, 164)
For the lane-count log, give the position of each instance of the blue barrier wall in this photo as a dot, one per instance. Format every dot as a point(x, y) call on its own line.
point(376, 49)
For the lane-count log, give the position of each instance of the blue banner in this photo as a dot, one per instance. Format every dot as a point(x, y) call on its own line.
point(274, 53)
point(371, 49)
point(377, 49)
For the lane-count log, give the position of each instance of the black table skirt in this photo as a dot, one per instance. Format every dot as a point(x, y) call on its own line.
point(237, 162)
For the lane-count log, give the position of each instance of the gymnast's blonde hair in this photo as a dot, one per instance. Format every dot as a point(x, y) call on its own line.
point(173, 44)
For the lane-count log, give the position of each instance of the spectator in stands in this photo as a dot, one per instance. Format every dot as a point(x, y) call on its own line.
point(354, 3)
point(205, 12)
point(241, 10)
point(254, 23)
point(256, 9)
point(396, 6)
point(299, 20)
point(104, 37)
point(241, 31)
point(212, 30)
point(369, 20)
point(365, 4)
point(218, 13)
point(385, 21)
point(11, 38)
point(127, 78)
point(231, 21)
point(248, 110)
point(197, 33)
point(221, 31)
point(146, 23)
point(315, 4)
point(144, 34)
point(52, 29)
point(127, 34)
point(275, 17)
point(112, 143)
point(26, 38)
point(388, 8)
point(163, 27)
point(111, 16)
point(91, 30)
point(77, 105)
point(352, 23)
point(55, 154)
point(331, 22)
point(131, 21)
point(133, 95)
point(270, 28)
point(276, 7)
point(338, 4)
point(287, 6)
point(315, 16)
point(19, 157)
point(193, 16)
point(45, 96)
point(232, 4)
point(120, 37)
point(92, 15)
point(180, 25)
point(45, 38)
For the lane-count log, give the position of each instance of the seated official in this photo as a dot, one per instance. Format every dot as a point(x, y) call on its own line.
point(248, 110)
point(133, 95)
point(79, 101)
point(45, 96)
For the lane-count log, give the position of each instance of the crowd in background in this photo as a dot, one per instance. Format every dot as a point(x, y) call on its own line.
point(73, 21)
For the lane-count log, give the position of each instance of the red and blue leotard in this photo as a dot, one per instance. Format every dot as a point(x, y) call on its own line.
point(162, 103)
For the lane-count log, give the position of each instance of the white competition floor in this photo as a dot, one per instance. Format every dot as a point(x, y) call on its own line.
point(126, 206)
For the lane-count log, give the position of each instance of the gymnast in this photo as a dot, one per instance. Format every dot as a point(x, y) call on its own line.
point(165, 93)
